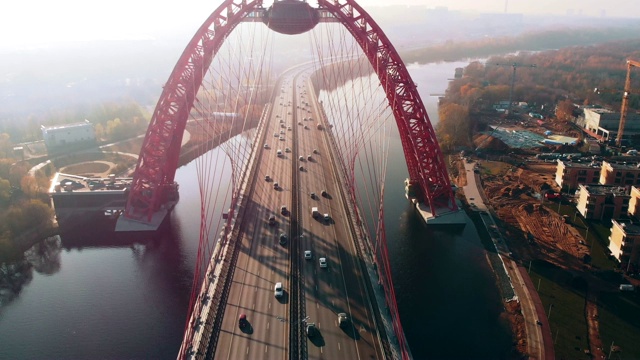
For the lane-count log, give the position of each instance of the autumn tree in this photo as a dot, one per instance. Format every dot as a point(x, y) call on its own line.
point(30, 186)
point(100, 132)
point(454, 126)
point(564, 110)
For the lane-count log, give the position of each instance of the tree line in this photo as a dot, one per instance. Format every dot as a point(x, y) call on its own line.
point(560, 79)
point(24, 203)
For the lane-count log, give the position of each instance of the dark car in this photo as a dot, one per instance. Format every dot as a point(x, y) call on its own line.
point(242, 321)
point(324, 193)
point(552, 196)
point(283, 239)
point(311, 329)
point(343, 319)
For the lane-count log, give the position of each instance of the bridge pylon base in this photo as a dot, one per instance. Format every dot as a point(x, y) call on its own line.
point(445, 215)
point(125, 224)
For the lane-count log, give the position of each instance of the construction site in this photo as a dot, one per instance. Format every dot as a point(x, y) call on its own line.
point(565, 253)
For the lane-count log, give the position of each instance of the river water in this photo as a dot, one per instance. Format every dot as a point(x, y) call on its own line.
point(97, 295)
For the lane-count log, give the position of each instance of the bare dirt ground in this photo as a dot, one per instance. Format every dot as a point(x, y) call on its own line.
point(515, 196)
point(534, 229)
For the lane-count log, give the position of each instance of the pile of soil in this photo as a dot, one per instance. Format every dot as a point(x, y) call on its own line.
point(488, 142)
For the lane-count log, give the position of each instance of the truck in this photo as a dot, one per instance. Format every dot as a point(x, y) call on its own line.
point(315, 212)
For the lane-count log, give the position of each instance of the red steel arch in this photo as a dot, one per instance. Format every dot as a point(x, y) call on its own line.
point(160, 151)
point(424, 158)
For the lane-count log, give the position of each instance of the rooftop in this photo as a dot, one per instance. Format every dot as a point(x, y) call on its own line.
point(629, 227)
point(606, 189)
point(65, 126)
point(624, 166)
point(67, 183)
point(581, 164)
point(601, 111)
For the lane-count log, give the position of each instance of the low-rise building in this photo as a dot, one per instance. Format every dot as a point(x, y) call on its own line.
point(634, 203)
point(68, 137)
point(624, 243)
point(605, 123)
point(603, 202)
point(570, 174)
point(619, 174)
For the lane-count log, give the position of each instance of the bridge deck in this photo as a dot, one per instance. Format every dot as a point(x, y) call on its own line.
point(262, 260)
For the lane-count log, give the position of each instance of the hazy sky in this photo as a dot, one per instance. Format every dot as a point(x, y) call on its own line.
point(36, 22)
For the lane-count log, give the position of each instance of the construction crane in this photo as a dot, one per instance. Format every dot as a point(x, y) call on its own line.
point(513, 81)
point(625, 99)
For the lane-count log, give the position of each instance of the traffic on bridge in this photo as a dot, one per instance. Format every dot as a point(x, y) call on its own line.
point(295, 265)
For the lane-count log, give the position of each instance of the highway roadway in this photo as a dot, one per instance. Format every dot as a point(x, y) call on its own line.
point(263, 260)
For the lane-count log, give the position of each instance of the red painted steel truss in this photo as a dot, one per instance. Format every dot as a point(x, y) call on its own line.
point(160, 151)
point(424, 158)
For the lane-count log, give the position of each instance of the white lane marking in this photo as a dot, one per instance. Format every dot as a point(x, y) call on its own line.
point(269, 305)
point(254, 306)
point(247, 350)
point(266, 347)
point(268, 325)
point(339, 346)
point(317, 305)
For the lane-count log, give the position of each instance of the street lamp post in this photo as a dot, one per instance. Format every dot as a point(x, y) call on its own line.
point(586, 237)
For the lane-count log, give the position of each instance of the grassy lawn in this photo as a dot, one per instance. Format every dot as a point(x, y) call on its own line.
point(599, 242)
point(494, 167)
point(565, 296)
point(619, 315)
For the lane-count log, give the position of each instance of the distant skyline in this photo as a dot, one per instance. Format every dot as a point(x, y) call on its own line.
point(39, 22)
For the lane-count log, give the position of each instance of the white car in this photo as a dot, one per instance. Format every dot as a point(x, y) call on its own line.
point(278, 290)
point(307, 254)
point(323, 262)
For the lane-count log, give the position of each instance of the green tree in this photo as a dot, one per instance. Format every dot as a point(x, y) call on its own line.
point(5, 192)
point(5, 168)
point(6, 147)
point(30, 186)
point(37, 213)
point(100, 132)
